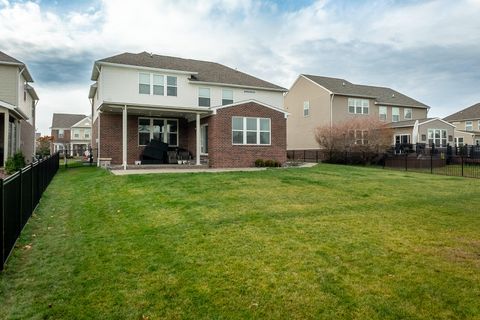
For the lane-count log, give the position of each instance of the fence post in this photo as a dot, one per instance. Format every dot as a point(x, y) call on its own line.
point(431, 160)
point(406, 161)
point(293, 155)
point(2, 221)
point(20, 200)
point(316, 156)
point(462, 164)
point(304, 157)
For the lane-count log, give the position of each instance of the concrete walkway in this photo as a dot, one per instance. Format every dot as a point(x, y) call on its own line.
point(120, 172)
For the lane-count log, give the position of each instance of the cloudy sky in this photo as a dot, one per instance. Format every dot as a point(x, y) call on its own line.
point(429, 50)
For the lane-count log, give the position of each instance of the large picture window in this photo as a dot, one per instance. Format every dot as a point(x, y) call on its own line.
point(252, 131)
point(437, 136)
point(165, 130)
point(358, 106)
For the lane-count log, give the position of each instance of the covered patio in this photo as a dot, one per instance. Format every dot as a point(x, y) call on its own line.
point(130, 135)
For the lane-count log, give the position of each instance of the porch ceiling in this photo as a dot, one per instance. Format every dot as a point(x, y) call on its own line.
point(155, 110)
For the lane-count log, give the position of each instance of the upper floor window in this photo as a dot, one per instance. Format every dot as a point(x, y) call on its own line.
point(407, 113)
point(61, 133)
point(149, 83)
point(478, 125)
point(358, 106)
point(76, 133)
point(382, 113)
point(144, 83)
point(227, 96)
point(171, 86)
point(87, 133)
point(204, 97)
point(306, 108)
point(395, 114)
point(246, 130)
point(158, 85)
point(468, 125)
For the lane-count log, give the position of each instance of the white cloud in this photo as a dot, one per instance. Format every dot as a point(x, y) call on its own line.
point(360, 41)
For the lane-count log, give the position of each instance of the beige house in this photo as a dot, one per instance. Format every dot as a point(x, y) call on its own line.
point(315, 101)
point(467, 123)
point(424, 132)
point(18, 100)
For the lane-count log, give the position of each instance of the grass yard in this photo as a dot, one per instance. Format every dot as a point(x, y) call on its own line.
point(324, 242)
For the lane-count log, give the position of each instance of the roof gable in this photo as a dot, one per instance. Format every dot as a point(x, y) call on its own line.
point(382, 95)
point(200, 71)
point(66, 120)
point(84, 123)
point(472, 112)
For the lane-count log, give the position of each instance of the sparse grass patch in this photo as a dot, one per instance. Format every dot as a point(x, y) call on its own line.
point(324, 242)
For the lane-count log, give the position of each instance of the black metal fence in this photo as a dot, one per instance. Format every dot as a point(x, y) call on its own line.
point(19, 195)
point(452, 161)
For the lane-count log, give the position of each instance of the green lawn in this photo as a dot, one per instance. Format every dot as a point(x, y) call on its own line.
point(325, 242)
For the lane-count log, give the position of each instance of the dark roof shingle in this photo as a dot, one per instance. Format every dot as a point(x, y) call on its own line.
point(205, 71)
point(66, 120)
point(472, 112)
point(381, 94)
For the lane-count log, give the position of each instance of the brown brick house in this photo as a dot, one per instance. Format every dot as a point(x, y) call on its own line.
point(156, 109)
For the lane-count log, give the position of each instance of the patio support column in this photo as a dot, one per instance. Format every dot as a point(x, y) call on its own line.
point(124, 137)
point(197, 130)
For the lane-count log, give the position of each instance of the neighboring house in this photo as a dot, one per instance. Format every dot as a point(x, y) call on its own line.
point(71, 132)
point(317, 101)
point(204, 109)
point(467, 123)
point(427, 132)
point(18, 100)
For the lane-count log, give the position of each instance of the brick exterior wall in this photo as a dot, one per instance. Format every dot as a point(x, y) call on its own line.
point(111, 137)
point(222, 153)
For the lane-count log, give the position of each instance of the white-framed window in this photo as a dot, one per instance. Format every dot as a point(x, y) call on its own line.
point(87, 133)
point(477, 142)
point(358, 106)
point(165, 130)
point(468, 125)
point(437, 136)
point(306, 108)
point(407, 113)
point(227, 96)
point(171, 86)
point(76, 133)
point(478, 125)
point(61, 133)
point(158, 84)
point(144, 83)
point(252, 131)
point(382, 113)
point(204, 97)
point(402, 138)
point(459, 141)
point(154, 84)
point(358, 137)
point(395, 114)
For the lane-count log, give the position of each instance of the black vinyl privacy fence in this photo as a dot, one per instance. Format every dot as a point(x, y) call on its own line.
point(19, 196)
point(461, 161)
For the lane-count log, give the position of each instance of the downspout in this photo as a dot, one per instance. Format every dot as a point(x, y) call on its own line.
point(331, 109)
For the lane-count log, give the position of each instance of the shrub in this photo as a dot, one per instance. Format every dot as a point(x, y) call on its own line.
point(269, 163)
point(277, 164)
point(259, 163)
point(15, 163)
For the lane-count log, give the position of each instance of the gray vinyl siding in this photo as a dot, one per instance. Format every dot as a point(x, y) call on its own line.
point(8, 84)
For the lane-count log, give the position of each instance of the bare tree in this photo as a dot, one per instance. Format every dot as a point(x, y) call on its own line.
point(366, 134)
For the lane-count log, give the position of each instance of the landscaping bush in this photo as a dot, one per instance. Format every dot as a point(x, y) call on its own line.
point(259, 163)
point(269, 163)
point(15, 163)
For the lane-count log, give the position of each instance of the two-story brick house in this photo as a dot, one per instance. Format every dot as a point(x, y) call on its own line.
point(71, 132)
point(18, 100)
point(145, 102)
point(316, 101)
point(467, 125)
